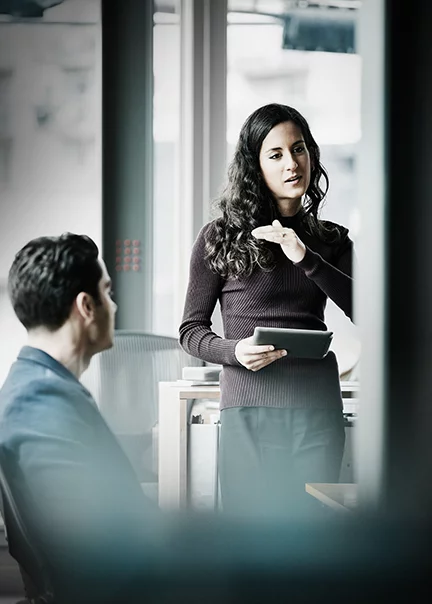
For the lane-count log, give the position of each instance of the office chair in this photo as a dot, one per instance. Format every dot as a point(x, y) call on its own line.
point(34, 572)
point(124, 382)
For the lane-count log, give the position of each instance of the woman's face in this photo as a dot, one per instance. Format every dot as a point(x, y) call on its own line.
point(285, 165)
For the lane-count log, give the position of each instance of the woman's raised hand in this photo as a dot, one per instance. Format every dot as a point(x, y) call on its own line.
point(255, 357)
point(291, 245)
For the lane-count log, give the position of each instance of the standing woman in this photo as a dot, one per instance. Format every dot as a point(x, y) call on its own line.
point(271, 261)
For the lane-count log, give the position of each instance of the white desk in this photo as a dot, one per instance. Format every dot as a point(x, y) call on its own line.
point(341, 497)
point(173, 430)
point(173, 398)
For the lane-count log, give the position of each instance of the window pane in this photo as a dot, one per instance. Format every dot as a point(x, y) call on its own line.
point(325, 88)
point(50, 137)
point(166, 65)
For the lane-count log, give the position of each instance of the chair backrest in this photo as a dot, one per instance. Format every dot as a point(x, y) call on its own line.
point(124, 382)
point(34, 572)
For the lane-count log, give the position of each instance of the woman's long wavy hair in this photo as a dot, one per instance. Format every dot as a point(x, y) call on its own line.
point(247, 202)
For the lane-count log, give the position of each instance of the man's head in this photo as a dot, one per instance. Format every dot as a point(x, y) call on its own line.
point(56, 280)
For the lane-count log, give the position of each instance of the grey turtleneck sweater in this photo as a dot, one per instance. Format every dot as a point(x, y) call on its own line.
point(291, 295)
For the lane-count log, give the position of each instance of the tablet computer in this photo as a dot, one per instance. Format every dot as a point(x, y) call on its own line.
point(301, 343)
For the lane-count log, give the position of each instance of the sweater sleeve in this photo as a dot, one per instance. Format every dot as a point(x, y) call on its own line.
point(334, 279)
point(204, 288)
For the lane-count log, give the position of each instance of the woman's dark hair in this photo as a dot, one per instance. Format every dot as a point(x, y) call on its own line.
point(247, 202)
point(46, 276)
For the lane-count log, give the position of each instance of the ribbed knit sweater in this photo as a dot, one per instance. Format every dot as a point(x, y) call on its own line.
point(291, 295)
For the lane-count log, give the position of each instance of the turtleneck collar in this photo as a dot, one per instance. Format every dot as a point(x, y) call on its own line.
point(291, 221)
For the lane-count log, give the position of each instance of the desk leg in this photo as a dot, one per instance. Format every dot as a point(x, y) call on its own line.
point(172, 449)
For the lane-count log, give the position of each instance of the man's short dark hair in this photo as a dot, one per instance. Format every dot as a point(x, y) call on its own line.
point(46, 276)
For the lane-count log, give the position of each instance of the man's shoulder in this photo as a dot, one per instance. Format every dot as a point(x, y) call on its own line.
point(38, 397)
point(37, 382)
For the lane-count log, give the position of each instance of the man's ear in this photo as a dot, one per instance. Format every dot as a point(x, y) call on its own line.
point(85, 306)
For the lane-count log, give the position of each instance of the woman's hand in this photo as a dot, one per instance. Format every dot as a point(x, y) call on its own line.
point(255, 357)
point(291, 245)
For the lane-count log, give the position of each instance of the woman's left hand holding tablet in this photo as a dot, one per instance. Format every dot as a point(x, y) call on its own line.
point(254, 357)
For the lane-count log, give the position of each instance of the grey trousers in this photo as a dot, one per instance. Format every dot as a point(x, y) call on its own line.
point(267, 454)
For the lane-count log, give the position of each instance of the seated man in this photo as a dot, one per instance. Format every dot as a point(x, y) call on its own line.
point(77, 491)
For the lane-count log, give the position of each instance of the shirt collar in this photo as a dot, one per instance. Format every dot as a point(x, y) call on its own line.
point(29, 353)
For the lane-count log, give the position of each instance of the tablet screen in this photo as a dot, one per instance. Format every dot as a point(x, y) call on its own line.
point(300, 343)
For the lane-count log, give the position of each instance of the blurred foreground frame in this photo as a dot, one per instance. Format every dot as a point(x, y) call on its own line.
point(25, 9)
